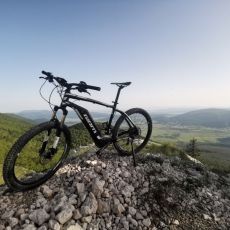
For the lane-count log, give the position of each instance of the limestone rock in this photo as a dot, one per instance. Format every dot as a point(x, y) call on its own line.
point(74, 227)
point(89, 206)
point(103, 206)
point(47, 192)
point(39, 216)
point(64, 216)
point(97, 187)
point(54, 225)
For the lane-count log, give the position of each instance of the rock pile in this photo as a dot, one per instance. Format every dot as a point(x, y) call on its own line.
point(109, 193)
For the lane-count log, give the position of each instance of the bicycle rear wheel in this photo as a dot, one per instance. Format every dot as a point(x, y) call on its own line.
point(124, 135)
point(30, 162)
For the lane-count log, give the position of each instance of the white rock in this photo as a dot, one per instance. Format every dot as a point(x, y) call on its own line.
point(42, 228)
point(103, 165)
point(97, 187)
point(86, 219)
point(47, 192)
point(29, 227)
point(207, 217)
point(80, 188)
point(215, 217)
point(133, 222)
point(23, 217)
point(39, 216)
point(64, 216)
point(19, 212)
point(118, 208)
point(126, 174)
point(146, 222)
point(7, 215)
point(139, 216)
point(74, 227)
point(132, 211)
point(127, 191)
point(176, 222)
point(54, 225)
point(76, 214)
point(103, 207)
point(89, 206)
point(13, 221)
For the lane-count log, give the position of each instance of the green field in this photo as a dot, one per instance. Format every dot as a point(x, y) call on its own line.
point(213, 143)
point(177, 134)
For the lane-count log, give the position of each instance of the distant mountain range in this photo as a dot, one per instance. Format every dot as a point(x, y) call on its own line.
point(213, 118)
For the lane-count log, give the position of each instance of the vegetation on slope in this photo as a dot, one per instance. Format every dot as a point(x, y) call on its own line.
point(80, 135)
point(215, 162)
point(12, 127)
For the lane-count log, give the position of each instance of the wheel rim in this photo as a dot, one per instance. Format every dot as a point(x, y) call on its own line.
point(124, 136)
point(29, 166)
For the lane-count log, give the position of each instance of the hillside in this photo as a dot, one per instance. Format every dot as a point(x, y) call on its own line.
point(80, 135)
point(13, 126)
point(109, 193)
point(213, 118)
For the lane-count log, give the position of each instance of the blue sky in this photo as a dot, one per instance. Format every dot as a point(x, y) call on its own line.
point(176, 53)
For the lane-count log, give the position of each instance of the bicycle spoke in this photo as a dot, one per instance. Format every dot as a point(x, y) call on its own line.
point(31, 164)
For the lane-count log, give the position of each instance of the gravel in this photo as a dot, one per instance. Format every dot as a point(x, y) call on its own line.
point(94, 193)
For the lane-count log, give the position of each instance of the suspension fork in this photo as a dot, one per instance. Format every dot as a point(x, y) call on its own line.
point(58, 132)
point(60, 124)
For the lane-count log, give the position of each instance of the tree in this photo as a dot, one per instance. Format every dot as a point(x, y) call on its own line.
point(192, 148)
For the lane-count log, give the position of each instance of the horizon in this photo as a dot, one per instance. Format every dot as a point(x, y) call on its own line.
point(169, 110)
point(175, 53)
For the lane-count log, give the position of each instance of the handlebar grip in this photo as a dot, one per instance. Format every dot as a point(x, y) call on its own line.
point(48, 74)
point(93, 87)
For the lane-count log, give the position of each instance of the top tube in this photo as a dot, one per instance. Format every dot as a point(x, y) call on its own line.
point(76, 97)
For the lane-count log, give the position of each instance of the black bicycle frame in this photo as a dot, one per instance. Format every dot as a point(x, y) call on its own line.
point(87, 119)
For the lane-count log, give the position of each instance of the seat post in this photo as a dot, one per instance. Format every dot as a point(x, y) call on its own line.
point(117, 96)
point(115, 106)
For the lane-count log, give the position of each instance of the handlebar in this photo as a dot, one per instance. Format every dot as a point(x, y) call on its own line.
point(81, 87)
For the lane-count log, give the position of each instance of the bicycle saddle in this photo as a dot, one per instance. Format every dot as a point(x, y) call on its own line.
point(121, 84)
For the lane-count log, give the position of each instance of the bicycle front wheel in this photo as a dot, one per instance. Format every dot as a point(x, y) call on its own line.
point(36, 156)
point(124, 135)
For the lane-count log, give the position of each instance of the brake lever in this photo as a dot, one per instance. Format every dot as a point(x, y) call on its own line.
point(47, 78)
point(83, 91)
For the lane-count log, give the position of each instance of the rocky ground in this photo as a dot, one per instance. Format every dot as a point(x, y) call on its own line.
point(110, 193)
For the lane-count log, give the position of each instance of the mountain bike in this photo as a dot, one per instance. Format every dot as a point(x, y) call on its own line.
point(40, 152)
